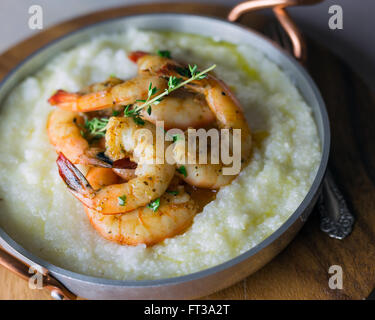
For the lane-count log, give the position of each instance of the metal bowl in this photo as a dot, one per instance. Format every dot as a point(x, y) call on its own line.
point(65, 283)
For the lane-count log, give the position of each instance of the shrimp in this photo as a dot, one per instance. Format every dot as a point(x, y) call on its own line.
point(223, 104)
point(102, 86)
point(177, 112)
point(208, 176)
point(126, 174)
point(151, 64)
point(107, 95)
point(181, 111)
point(102, 177)
point(65, 135)
point(123, 138)
point(227, 109)
point(229, 115)
point(143, 225)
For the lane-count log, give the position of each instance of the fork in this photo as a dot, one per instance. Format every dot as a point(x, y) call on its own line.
point(336, 220)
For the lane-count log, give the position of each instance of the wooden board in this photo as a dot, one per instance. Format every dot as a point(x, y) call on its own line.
point(300, 271)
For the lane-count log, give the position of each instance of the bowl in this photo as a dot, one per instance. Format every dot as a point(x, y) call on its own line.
point(66, 284)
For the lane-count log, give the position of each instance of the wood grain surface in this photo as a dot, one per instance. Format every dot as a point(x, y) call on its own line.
point(301, 270)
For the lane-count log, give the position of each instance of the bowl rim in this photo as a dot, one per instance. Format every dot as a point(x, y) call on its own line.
point(7, 242)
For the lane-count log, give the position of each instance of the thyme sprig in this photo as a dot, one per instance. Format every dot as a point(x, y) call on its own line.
point(135, 113)
point(175, 83)
point(194, 70)
point(151, 91)
point(97, 127)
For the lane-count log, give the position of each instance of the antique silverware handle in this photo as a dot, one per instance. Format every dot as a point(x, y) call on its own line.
point(336, 218)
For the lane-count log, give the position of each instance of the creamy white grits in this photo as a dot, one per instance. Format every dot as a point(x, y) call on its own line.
point(37, 210)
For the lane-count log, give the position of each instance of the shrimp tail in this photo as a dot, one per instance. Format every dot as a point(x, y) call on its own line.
point(124, 163)
point(72, 177)
point(99, 159)
point(63, 99)
point(136, 55)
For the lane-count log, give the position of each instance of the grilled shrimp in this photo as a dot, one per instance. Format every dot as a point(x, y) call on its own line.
point(151, 63)
point(225, 107)
point(229, 115)
point(181, 112)
point(108, 94)
point(143, 225)
point(102, 177)
point(65, 135)
point(123, 138)
point(126, 174)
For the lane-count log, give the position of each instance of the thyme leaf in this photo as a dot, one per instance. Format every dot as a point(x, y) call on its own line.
point(154, 205)
point(134, 113)
point(122, 200)
point(97, 127)
point(182, 170)
point(164, 53)
point(176, 137)
point(175, 193)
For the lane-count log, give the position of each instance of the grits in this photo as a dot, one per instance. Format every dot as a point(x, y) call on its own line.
point(38, 211)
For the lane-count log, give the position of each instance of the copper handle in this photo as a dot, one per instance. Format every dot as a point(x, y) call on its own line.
point(298, 42)
point(58, 290)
